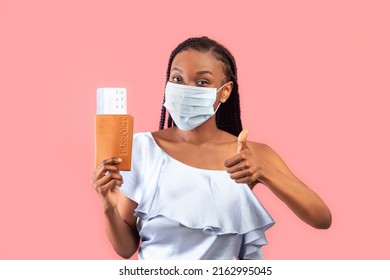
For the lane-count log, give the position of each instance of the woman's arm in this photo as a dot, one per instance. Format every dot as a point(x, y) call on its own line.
point(118, 209)
point(259, 163)
point(121, 227)
point(304, 202)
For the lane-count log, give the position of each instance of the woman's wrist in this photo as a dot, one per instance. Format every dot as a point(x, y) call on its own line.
point(109, 209)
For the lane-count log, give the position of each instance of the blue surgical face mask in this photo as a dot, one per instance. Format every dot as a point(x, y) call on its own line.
point(190, 106)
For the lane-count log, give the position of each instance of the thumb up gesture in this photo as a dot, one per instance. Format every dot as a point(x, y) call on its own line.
point(241, 141)
point(243, 167)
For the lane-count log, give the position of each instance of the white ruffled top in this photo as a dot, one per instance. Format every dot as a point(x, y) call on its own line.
point(186, 212)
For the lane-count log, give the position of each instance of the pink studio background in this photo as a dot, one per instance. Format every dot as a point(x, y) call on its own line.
point(314, 83)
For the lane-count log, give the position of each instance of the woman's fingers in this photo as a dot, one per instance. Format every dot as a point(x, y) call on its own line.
point(235, 159)
point(238, 167)
point(245, 180)
point(107, 183)
point(105, 180)
point(101, 171)
point(109, 177)
point(106, 165)
point(241, 174)
point(111, 160)
point(104, 189)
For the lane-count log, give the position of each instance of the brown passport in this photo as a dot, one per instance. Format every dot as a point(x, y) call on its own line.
point(114, 138)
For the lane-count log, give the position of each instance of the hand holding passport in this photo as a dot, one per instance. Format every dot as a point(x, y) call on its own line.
point(113, 127)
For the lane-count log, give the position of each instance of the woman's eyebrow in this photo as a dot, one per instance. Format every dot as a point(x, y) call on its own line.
point(177, 69)
point(204, 72)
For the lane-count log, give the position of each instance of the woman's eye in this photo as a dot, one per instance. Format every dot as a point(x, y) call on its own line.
point(202, 83)
point(177, 79)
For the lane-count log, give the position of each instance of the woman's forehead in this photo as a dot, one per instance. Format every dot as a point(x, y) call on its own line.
point(193, 60)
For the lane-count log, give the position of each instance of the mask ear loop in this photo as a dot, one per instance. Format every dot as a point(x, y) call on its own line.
point(219, 104)
point(216, 93)
point(221, 87)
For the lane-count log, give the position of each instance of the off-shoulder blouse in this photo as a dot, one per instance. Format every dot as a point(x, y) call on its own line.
point(186, 212)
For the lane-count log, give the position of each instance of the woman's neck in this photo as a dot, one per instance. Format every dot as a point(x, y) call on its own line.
point(199, 135)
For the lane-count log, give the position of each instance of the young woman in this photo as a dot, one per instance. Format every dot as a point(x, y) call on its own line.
point(189, 193)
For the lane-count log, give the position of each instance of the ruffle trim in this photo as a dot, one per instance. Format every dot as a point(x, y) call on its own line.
point(200, 199)
point(252, 242)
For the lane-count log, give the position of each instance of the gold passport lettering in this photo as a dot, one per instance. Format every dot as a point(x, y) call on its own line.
point(124, 136)
point(114, 138)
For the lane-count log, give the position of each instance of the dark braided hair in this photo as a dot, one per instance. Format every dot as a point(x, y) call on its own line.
point(228, 116)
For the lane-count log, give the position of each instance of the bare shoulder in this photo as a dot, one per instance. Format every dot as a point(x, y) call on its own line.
point(261, 149)
point(264, 152)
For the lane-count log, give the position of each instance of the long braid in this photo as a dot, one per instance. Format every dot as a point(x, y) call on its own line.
point(228, 116)
point(162, 116)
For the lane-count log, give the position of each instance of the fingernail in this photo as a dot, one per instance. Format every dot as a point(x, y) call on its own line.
point(119, 159)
